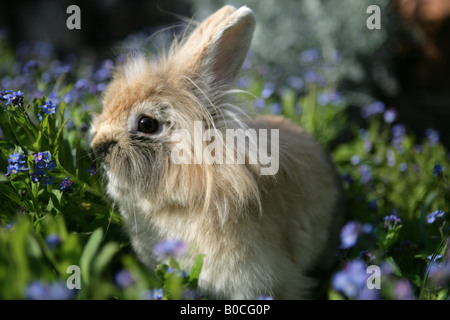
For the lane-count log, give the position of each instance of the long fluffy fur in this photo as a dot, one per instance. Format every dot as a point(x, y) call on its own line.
point(260, 234)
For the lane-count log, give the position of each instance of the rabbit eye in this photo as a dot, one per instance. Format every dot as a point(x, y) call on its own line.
point(148, 125)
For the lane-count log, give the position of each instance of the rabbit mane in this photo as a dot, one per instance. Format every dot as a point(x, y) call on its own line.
point(180, 80)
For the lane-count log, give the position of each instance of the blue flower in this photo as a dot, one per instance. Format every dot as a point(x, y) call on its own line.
point(367, 228)
point(390, 115)
point(264, 298)
point(268, 90)
point(368, 145)
point(369, 294)
point(60, 291)
point(398, 134)
point(366, 173)
point(47, 181)
point(12, 169)
point(16, 158)
point(46, 156)
point(390, 156)
point(355, 160)
point(48, 107)
point(398, 131)
point(439, 273)
point(51, 165)
point(417, 148)
point(57, 71)
point(9, 226)
point(403, 167)
point(436, 215)
point(82, 84)
point(295, 82)
point(437, 257)
point(66, 185)
point(34, 177)
point(40, 169)
point(403, 290)
point(349, 234)
point(314, 77)
point(68, 97)
point(13, 97)
point(38, 290)
point(92, 170)
point(53, 241)
point(432, 136)
point(4, 93)
point(247, 62)
point(243, 82)
point(260, 104)
point(351, 281)
point(30, 66)
point(438, 170)
point(104, 72)
point(372, 109)
point(171, 248)
point(310, 55)
point(191, 295)
point(392, 221)
point(38, 157)
point(276, 108)
point(155, 294)
point(123, 279)
point(330, 98)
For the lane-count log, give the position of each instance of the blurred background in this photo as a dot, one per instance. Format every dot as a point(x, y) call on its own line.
point(405, 64)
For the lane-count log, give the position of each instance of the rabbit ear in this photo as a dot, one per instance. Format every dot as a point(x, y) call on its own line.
point(206, 28)
point(217, 49)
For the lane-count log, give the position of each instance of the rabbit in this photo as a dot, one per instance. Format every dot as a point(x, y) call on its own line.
point(261, 234)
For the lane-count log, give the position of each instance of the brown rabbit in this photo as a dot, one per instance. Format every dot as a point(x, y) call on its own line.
point(262, 234)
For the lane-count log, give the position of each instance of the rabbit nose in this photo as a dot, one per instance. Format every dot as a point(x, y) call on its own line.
point(103, 140)
point(101, 150)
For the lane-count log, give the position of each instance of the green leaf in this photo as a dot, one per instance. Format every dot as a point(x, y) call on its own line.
point(392, 237)
point(288, 102)
point(334, 295)
point(62, 109)
point(88, 254)
point(54, 203)
point(386, 238)
point(394, 266)
point(160, 271)
point(174, 264)
point(9, 192)
point(105, 256)
point(194, 274)
point(33, 248)
point(7, 128)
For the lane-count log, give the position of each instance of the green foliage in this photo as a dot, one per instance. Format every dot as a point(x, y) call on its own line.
point(53, 212)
